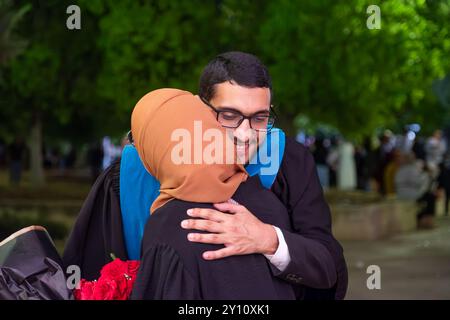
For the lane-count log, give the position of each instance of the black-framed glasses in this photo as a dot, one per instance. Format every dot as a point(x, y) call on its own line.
point(230, 118)
point(130, 137)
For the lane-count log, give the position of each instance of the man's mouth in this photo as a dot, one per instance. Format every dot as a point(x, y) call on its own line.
point(242, 148)
point(239, 143)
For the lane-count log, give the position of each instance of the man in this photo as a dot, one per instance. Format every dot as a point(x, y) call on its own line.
point(309, 257)
point(238, 82)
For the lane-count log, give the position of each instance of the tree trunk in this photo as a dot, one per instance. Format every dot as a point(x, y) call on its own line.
point(37, 171)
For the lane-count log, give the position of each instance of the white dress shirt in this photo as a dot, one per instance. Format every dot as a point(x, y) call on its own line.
point(281, 258)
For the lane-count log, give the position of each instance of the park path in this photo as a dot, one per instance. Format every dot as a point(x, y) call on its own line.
point(413, 265)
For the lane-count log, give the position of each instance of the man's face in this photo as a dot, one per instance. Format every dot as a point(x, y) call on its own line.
point(248, 101)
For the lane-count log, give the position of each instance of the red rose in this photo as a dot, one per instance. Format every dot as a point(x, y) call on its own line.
point(115, 282)
point(85, 291)
point(114, 269)
point(133, 267)
point(107, 290)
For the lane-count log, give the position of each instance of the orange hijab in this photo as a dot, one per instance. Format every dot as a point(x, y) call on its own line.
point(156, 122)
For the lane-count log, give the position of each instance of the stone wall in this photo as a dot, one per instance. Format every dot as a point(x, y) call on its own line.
point(373, 219)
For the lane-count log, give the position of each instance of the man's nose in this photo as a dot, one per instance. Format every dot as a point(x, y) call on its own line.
point(244, 132)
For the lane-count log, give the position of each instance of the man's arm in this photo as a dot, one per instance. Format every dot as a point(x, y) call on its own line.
point(317, 259)
point(281, 257)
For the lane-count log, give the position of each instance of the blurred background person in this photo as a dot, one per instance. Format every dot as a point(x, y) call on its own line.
point(444, 181)
point(320, 154)
point(411, 181)
point(109, 152)
point(346, 172)
point(95, 160)
point(382, 158)
point(364, 164)
point(16, 154)
point(390, 171)
point(427, 201)
point(435, 149)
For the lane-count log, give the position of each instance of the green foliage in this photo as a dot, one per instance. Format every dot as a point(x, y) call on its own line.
point(148, 46)
point(336, 70)
point(154, 44)
point(53, 78)
point(10, 44)
point(325, 63)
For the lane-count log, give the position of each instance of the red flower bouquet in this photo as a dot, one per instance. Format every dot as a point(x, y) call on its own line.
point(115, 282)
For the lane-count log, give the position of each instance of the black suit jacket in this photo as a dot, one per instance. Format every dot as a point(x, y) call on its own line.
point(317, 259)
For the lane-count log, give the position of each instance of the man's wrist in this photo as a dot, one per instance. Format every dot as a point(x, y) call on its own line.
point(271, 244)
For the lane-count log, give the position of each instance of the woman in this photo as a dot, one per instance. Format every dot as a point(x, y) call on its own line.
point(171, 266)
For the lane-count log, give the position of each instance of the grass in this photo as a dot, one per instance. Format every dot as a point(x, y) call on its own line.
point(57, 187)
point(53, 206)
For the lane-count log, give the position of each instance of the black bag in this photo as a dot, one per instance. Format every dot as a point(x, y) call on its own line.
point(30, 267)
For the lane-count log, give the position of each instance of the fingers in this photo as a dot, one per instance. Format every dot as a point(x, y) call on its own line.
point(219, 254)
point(201, 224)
point(210, 238)
point(228, 207)
point(232, 201)
point(209, 214)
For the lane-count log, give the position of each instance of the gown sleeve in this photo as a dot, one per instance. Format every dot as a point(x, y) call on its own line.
point(317, 259)
point(98, 229)
point(162, 276)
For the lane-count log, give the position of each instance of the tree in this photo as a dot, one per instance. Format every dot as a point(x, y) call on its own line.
point(325, 63)
point(149, 45)
point(338, 71)
point(10, 44)
point(85, 82)
point(51, 82)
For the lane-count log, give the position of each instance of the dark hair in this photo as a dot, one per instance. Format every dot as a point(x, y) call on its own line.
point(241, 68)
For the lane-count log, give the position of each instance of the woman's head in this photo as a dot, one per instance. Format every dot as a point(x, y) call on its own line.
point(183, 146)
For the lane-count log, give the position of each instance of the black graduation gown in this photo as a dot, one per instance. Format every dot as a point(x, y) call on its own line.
point(98, 232)
point(173, 268)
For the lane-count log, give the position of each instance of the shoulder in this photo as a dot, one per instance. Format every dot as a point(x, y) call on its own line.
point(296, 172)
point(297, 158)
point(109, 178)
point(164, 227)
point(174, 211)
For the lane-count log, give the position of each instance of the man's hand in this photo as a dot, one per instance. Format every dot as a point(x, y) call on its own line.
point(239, 230)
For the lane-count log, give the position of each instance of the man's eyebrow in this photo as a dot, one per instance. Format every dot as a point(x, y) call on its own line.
point(226, 108)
